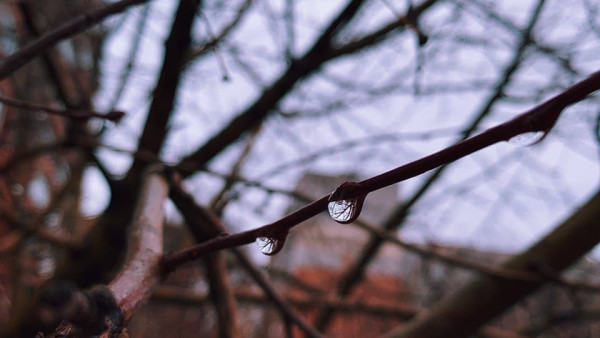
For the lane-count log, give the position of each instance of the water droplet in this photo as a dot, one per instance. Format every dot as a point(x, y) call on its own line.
point(346, 202)
point(270, 245)
point(527, 139)
point(345, 211)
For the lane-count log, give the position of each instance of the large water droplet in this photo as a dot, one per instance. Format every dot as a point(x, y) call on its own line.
point(345, 202)
point(345, 211)
point(270, 245)
point(527, 139)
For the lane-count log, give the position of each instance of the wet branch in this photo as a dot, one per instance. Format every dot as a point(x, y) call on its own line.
point(539, 119)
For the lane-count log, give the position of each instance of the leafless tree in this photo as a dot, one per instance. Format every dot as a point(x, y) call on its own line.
point(113, 112)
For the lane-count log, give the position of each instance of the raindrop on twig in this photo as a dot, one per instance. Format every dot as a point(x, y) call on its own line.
point(271, 245)
point(527, 139)
point(345, 209)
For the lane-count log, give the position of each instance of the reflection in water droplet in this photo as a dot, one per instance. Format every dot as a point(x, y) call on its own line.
point(270, 245)
point(527, 139)
point(346, 211)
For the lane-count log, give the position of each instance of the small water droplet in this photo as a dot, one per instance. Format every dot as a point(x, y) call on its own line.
point(527, 139)
point(270, 245)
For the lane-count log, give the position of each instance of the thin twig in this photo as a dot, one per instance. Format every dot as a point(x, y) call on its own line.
point(114, 116)
point(125, 76)
point(539, 119)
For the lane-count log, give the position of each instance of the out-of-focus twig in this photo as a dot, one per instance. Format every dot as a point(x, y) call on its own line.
point(114, 116)
point(70, 28)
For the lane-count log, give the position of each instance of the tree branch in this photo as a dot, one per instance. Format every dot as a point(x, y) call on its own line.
point(114, 116)
point(161, 109)
point(141, 272)
point(539, 119)
point(104, 310)
point(70, 28)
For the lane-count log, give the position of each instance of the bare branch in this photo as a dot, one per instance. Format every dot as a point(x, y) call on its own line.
point(141, 272)
point(540, 118)
point(70, 28)
point(114, 116)
point(161, 108)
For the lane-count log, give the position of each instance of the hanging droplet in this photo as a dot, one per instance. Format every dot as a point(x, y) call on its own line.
point(270, 245)
point(345, 210)
point(527, 139)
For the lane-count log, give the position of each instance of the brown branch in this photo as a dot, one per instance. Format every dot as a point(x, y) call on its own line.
point(68, 29)
point(114, 116)
point(141, 272)
point(161, 108)
point(104, 310)
point(539, 119)
point(105, 242)
point(222, 296)
point(485, 297)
